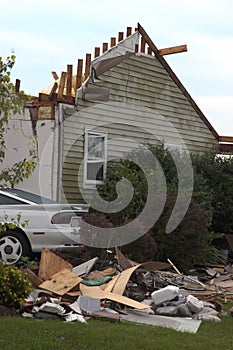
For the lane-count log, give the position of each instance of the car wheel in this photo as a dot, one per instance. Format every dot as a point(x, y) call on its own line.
point(13, 245)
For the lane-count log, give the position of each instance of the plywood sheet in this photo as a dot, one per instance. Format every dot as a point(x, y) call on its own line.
point(109, 286)
point(50, 264)
point(96, 292)
point(61, 282)
point(123, 279)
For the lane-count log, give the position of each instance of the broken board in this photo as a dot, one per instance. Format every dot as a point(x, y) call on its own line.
point(96, 292)
point(50, 264)
point(62, 282)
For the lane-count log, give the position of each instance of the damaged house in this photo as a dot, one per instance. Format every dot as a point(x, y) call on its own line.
point(126, 95)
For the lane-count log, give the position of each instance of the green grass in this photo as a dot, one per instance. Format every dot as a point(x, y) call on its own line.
point(31, 334)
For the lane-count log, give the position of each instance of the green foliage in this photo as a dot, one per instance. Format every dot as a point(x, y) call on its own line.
point(208, 252)
point(209, 213)
point(11, 176)
point(30, 334)
point(14, 286)
point(10, 103)
point(214, 189)
point(11, 224)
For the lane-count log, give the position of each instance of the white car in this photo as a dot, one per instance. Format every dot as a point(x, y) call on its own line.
point(37, 223)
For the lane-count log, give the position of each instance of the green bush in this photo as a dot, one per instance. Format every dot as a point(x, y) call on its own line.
point(14, 286)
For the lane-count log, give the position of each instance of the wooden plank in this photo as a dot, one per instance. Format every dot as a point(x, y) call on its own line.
point(120, 36)
point(149, 51)
point(225, 139)
point(61, 282)
point(87, 65)
point(105, 47)
point(61, 86)
point(129, 31)
point(55, 76)
point(96, 292)
point(123, 279)
point(112, 42)
point(53, 90)
point(79, 74)
point(50, 264)
point(109, 286)
point(69, 81)
point(97, 52)
point(143, 44)
point(173, 49)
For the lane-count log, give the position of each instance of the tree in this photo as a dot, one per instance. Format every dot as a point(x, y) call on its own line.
point(11, 103)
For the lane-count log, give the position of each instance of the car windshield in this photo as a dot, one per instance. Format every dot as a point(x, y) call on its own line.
point(30, 196)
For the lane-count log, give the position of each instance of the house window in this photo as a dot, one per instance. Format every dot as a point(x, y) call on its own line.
point(95, 157)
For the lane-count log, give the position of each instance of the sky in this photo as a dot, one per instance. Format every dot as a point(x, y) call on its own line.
point(47, 35)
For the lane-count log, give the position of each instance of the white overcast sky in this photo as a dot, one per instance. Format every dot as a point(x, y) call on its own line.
point(47, 35)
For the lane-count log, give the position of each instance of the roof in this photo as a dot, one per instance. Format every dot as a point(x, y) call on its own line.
point(64, 88)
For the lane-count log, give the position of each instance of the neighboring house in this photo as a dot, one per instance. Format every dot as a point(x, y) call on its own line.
point(127, 96)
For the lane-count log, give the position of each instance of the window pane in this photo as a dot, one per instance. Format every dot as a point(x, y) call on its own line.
point(5, 200)
point(95, 171)
point(95, 146)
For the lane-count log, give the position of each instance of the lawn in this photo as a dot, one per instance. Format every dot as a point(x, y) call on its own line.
point(31, 334)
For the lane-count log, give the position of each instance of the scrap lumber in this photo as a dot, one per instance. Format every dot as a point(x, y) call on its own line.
point(123, 279)
point(173, 49)
point(62, 282)
point(61, 86)
point(69, 81)
point(96, 292)
point(109, 286)
point(50, 264)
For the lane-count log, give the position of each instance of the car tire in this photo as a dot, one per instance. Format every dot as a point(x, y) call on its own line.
point(13, 246)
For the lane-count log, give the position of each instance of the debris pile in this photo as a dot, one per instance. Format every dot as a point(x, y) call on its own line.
point(146, 293)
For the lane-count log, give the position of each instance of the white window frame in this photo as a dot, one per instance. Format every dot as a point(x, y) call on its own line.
point(102, 159)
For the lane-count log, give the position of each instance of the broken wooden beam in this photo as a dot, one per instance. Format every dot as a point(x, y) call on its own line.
point(105, 47)
point(69, 81)
point(172, 50)
point(61, 86)
point(53, 90)
point(143, 44)
point(120, 36)
point(129, 31)
point(79, 74)
point(113, 42)
point(88, 65)
point(55, 76)
point(97, 52)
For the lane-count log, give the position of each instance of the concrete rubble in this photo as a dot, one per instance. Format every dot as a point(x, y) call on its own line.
point(149, 293)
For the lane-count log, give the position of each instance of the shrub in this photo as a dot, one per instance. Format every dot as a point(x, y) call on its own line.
point(14, 286)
